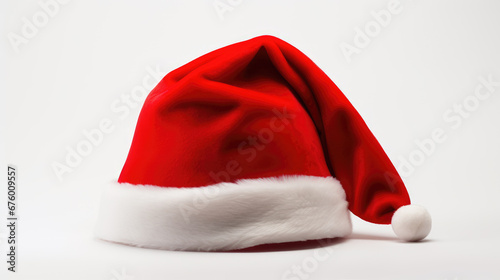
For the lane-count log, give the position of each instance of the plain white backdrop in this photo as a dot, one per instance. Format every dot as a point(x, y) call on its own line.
point(67, 67)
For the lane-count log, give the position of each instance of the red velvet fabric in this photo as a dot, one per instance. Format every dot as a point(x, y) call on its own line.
point(255, 109)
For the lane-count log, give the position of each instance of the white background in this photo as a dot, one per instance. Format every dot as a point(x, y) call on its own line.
point(65, 78)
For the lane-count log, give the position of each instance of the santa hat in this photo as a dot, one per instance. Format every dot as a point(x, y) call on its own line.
point(252, 144)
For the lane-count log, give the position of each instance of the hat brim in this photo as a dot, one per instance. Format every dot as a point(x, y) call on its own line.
point(224, 216)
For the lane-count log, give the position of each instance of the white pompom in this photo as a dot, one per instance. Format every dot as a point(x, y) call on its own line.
point(411, 222)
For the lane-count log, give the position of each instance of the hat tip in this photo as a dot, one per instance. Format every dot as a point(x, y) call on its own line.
point(411, 223)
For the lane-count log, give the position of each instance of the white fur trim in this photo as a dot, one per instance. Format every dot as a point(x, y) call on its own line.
point(411, 222)
point(225, 216)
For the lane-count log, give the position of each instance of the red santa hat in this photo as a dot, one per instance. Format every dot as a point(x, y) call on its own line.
point(252, 144)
